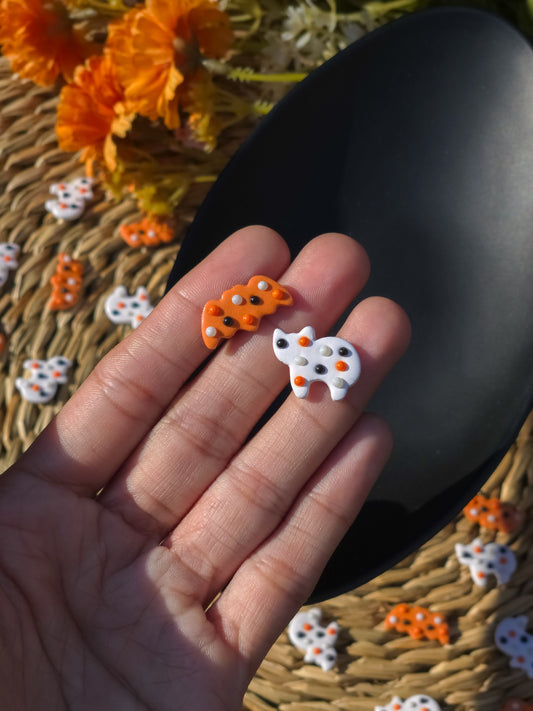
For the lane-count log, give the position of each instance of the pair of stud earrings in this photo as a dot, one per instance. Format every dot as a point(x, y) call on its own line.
point(331, 360)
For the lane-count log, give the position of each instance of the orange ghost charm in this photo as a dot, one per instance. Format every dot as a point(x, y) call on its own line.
point(66, 282)
point(241, 307)
point(418, 622)
point(493, 514)
point(148, 232)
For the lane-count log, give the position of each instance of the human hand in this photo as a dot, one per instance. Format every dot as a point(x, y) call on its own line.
point(150, 555)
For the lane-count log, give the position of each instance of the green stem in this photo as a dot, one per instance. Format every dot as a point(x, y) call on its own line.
point(244, 74)
point(247, 73)
point(204, 178)
point(262, 108)
point(374, 9)
point(382, 8)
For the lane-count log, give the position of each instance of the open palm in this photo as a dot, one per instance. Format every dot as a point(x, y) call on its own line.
point(150, 550)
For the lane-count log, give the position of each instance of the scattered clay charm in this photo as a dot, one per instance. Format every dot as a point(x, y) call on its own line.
point(512, 639)
point(419, 702)
point(44, 377)
point(307, 635)
point(241, 307)
point(147, 232)
point(517, 705)
point(122, 308)
point(71, 198)
point(66, 282)
point(487, 559)
point(8, 259)
point(418, 622)
point(330, 360)
point(494, 514)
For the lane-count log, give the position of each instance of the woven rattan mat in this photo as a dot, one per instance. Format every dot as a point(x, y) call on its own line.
point(373, 664)
point(30, 161)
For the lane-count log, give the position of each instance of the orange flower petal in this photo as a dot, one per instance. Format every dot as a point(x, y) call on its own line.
point(86, 114)
point(158, 48)
point(40, 40)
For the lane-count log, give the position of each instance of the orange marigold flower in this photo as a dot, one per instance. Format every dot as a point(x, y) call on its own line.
point(40, 40)
point(90, 110)
point(158, 47)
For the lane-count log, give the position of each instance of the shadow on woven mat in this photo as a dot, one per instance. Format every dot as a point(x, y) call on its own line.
point(374, 664)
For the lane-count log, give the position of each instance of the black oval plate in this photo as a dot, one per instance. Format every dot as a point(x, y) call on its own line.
point(417, 140)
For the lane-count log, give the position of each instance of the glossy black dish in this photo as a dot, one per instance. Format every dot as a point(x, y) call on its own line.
point(417, 140)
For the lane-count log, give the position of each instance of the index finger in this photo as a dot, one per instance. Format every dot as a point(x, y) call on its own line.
point(134, 384)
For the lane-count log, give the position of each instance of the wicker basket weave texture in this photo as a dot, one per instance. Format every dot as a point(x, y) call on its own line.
point(30, 161)
point(373, 664)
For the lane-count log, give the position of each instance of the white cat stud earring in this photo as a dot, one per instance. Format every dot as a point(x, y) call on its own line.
point(331, 360)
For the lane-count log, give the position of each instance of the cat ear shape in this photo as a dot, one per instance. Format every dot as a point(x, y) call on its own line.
point(281, 342)
point(315, 613)
point(307, 332)
point(33, 364)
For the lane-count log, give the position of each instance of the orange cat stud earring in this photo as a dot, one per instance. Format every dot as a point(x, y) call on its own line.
point(242, 307)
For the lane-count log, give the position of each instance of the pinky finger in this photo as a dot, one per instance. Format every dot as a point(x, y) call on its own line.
point(269, 588)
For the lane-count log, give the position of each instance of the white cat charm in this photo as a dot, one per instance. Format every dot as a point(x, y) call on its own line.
point(317, 641)
point(331, 360)
point(119, 307)
point(419, 702)
point(71, 198)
